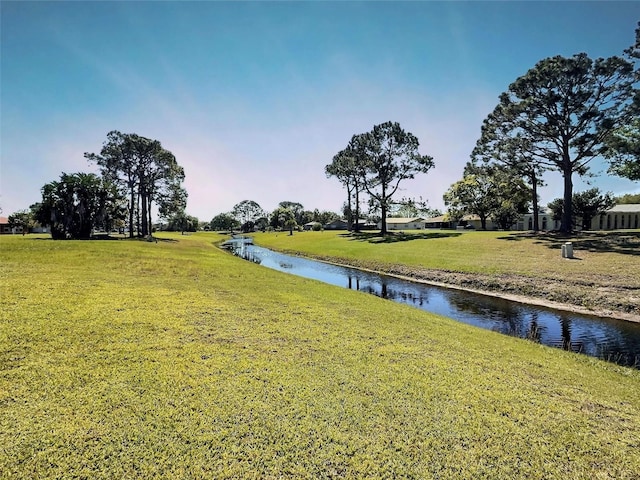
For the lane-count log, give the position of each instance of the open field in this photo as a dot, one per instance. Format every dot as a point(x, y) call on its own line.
point(130, 359)
point(604, 276)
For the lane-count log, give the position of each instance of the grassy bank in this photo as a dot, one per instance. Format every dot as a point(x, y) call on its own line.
point(129, 359)
point(603, 275)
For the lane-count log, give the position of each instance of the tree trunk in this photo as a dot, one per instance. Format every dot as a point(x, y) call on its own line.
point(383, 210)
point(132, 208)
point(483, 222)
point(143, 212)
point(534, 200)
point(149, 215)
point(349, 213)
point(567, 210)
point(357, 227)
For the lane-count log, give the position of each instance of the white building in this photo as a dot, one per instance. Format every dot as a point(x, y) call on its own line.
point(620, 217)
point(415, 223)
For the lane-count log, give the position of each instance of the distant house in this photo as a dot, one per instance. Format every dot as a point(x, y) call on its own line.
point(441, 221)
point(4, 226)
point(6, 229)
point(620, 217)
point(310, 225)
point(339, 224)
point(414, 223)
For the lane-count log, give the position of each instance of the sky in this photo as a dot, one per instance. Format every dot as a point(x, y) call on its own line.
point(255, 98)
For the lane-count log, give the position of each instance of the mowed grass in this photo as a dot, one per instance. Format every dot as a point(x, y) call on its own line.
point(473, 251)
point(600, 258)
point(130, 359)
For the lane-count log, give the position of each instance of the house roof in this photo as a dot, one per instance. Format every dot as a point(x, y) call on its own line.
point(4, 220)
point(625, 208)
point(404, 220)
point(437, 219)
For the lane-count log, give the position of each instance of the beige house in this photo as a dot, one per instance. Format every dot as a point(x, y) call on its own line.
point(416, 223)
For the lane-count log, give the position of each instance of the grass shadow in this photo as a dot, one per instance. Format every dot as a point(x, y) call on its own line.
point(394, 237)
point(627, 243)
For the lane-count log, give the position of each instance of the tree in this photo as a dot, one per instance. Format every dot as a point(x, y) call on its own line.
point(556, 207)
point(489, 192)
point(344, 168)
point(247, 212)
point(470, 195)
point(563, 109)
point(76, 204)
point(182, 222)
point(591, 203)
point(623, 151)
point(499, 145)
point(283, 218)
point(22, 219)
point(146, 171)
point(410, 207)
point(386, 156)
point(224, 221)
point(586, 205)
point(296, 208)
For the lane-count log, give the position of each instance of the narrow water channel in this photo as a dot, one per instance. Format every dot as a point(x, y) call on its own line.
point(609, 339)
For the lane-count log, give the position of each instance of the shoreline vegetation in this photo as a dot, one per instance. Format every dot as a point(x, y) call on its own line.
point(137, 359)
point(593, 290)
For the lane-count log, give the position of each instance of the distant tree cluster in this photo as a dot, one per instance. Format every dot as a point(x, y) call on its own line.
point(585, 207)
point(77, 204)
point(145, 172)
point(490, 192)
point(249, 216)
point(135, 173)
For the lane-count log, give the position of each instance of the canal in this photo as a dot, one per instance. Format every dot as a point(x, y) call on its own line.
point(609, 339)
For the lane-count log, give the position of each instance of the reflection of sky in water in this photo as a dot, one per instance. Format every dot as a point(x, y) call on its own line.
point(604, 338)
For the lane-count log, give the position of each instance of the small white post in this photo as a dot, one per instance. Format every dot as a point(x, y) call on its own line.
point(567, 250)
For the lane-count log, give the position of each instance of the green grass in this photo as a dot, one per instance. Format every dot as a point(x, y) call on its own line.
point(476, 252)
point(129, 359)
point(605, 272)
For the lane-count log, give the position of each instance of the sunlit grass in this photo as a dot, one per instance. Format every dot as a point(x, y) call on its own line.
point(604, 269)
point(129, 359)
point(472, 251)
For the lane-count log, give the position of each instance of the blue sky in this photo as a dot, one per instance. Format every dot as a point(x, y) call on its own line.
point(255, 98)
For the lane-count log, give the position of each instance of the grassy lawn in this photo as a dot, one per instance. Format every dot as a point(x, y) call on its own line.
point(605, 270)
point(129, 359)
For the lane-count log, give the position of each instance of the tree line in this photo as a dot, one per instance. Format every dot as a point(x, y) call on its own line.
point(558, 116)
point(248, 216)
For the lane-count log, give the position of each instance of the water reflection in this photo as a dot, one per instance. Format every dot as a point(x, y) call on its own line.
point(609, 339)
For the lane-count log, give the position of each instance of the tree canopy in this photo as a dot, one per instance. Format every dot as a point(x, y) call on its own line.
point(77, 204)
point(224, 221)
point(489, 192)
point(147, 172)
point(378, 161)
point(22, 219)
point(586, 206)
point(247, 212)
point(344, 168)
point(559, 114)
point(623, 151)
